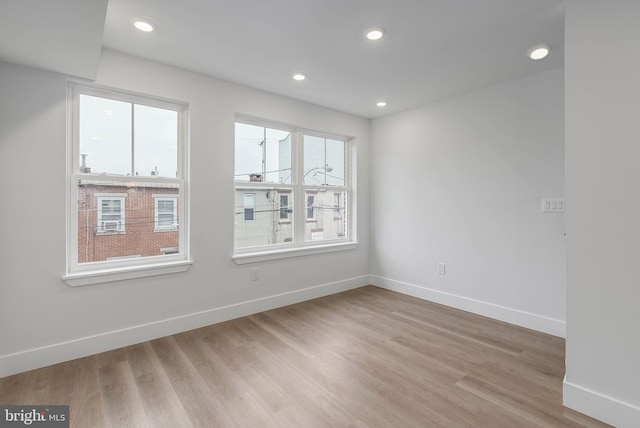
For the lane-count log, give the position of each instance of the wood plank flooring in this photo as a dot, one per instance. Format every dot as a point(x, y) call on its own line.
point(363, 358)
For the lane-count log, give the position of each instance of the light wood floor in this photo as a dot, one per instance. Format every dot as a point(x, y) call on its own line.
point(363, 358)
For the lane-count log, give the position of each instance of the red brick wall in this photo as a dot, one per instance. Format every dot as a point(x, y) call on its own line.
point(139, 238)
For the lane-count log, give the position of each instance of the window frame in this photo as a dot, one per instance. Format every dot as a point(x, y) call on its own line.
point(297, 189)
point(77, 274)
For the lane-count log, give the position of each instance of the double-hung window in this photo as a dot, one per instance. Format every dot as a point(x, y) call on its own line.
point(299, 182)
point(127, 180)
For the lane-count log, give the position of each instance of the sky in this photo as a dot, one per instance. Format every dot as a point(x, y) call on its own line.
point(122, 138)
point(323, 157)
point(106, 138)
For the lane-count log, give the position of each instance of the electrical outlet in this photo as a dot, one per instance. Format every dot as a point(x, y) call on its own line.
point(553, 205)
point(441, 268)
point(255, 274)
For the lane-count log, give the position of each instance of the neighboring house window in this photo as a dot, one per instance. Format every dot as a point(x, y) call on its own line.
point(293, 175)
point(127, 161)
point(311, 207)
point(284, 207)
point(249, 206)
point(166, 213)
point(110, 214)
point(336, 205)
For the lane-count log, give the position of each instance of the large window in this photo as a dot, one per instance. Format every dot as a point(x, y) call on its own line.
point(299, 184)
point(127, 162)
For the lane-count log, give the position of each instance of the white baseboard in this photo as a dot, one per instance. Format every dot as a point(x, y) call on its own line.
point(599, 406)
point(513, 316)
point(60, 352)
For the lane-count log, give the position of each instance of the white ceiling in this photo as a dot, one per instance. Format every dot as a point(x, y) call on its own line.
point(62, 36)
point(432, 49)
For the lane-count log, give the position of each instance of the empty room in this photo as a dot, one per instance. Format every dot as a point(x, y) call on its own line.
point(319, 214)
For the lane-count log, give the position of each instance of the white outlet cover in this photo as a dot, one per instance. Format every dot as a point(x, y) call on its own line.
point(553, 205)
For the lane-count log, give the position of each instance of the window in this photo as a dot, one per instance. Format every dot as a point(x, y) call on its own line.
point(166, 213)
point(284, 207)
point(325, 168)
point(294, 177)
point(110, 214)
point(127, 162)
point(249, 206)
point(311, 207)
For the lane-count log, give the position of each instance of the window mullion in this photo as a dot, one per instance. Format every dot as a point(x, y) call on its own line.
point(133, 159)
point(299, 199)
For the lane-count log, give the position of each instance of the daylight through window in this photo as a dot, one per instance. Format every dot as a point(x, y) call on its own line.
point(127, 181)
point(292, 187)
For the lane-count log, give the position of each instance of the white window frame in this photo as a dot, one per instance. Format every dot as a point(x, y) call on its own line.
point(78, 274)
point(174, 224)
point(120, 223)
point(299, 246)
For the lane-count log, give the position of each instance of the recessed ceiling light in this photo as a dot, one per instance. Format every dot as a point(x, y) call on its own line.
point(145, 26)
point(375, 33)
point(299, 77)
point(381, 103)
point(538, 52)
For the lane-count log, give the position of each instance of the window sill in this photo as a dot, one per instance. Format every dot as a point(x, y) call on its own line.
point(77, 279)
point(111, 232)
point(264, 256)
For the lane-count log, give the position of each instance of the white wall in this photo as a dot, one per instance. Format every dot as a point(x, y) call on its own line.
point(602, 73)
point(43, 320)
point(460, 182)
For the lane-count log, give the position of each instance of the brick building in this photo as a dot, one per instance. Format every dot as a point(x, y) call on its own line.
point(119, 220)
